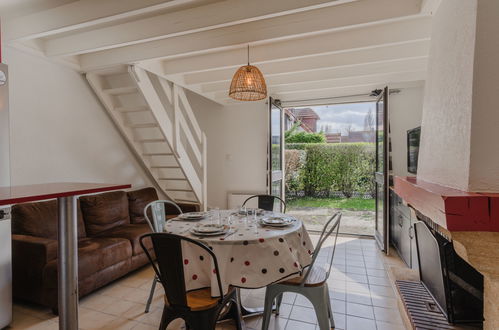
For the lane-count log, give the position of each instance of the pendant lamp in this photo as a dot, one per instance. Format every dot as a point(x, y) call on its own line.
point(248, 84)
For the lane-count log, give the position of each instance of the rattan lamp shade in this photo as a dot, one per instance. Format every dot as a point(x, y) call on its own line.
point(248, 84)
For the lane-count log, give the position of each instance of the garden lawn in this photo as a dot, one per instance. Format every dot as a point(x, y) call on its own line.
point(355, 204)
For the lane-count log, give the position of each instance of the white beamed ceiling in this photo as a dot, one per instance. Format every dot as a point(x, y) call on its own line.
point(305, 48)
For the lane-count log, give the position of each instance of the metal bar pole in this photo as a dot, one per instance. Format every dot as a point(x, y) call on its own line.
point(68, 264)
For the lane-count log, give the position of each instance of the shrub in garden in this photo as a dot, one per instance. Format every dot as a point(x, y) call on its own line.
point(317, 173)
point(294, 163)
point(345, 167)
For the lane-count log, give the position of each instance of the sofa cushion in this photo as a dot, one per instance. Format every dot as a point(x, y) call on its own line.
point(94, 254)
point(40, 219)
point(137, 200)
point(102, 212)
point(132, 233)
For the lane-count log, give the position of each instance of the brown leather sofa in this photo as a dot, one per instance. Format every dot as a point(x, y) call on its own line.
point(109, 228)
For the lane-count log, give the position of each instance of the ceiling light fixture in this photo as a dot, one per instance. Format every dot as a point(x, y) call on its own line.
point(248, 84)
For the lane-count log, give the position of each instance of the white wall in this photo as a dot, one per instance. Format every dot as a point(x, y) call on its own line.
point(445, 135)
point(59, 131)
point(406, 110)
point(237, 147)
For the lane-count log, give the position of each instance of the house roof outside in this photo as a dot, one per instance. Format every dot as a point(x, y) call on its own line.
point(305, 113)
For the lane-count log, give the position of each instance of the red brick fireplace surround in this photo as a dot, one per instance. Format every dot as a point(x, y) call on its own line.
point(452, 209)
point(472, 222)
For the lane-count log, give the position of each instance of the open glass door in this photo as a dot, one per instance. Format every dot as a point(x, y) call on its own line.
point(381, 174)
point(275, 182)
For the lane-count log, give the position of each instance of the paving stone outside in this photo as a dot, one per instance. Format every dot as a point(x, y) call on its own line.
point(352, 222)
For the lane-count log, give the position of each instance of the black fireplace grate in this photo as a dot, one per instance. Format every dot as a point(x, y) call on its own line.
point(422, 309)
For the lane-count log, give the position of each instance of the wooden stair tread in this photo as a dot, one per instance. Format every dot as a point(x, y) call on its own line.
point(150, 140)
point(164, 166)
point(146, 125)
point(157, 154)
point(132, 109)
point(120, 90)
point(317, 277)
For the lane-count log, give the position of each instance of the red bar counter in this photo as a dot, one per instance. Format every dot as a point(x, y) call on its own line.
point(66, 193)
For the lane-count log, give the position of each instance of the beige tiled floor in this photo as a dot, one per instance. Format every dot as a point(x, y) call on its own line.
point(359, 289)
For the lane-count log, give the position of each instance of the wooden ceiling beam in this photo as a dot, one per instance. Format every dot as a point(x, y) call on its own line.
point(307, 25)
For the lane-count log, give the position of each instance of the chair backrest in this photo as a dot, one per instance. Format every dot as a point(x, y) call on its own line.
point(158, 211)
point(170, 265)
point(266, 202)
point(332, 225)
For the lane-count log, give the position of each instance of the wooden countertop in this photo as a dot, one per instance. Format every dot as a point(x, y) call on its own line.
point(29, 193)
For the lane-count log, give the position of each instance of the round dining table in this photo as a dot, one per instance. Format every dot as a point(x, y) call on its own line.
point(249, 255)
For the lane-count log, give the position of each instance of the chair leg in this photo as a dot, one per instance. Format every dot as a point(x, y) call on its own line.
point(318, 297)
point(202, 321)
point(331, 317)
point(151, 294)
point(166, 319)
point(236, 313)
point(278, 303)
point(270, 294)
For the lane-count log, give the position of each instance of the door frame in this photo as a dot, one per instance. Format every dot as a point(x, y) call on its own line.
point(273, 103)
point(383, 241)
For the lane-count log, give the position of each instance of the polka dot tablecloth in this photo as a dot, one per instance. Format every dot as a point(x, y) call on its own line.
point(252, 256)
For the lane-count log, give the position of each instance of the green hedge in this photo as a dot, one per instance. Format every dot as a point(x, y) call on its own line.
point(345, 167)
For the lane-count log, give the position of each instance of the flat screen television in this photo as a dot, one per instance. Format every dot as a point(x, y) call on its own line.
point(413, 138)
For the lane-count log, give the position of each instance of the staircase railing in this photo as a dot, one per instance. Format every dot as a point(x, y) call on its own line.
point(180, 123)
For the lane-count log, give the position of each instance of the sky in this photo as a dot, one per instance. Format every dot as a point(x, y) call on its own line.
point(340, 116)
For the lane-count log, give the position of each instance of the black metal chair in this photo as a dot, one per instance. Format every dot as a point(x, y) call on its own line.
point(197, 308)
point(266, 202)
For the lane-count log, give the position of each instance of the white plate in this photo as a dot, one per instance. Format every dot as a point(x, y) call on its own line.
point(207, 228)
point(276, 221)
point(192, 215)
point(222, 232)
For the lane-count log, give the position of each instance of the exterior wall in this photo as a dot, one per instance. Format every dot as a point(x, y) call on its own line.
point(446, 124)
point(311, 123)
point(237, 146)
point(405, 113)
point(59, 131)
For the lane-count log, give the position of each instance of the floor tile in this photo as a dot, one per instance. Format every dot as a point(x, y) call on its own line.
point(379, 290)
point(359, 310)
point(303, 314)
point(303, 301)
point(378, 280)
point(358, 323)
point(355, 270)
point(389, 315)
point(352, 290)
point(385, 302)
point(359, 298)
point(339, 320)
point(389, 326)
point(338, 306)
point(297, 325)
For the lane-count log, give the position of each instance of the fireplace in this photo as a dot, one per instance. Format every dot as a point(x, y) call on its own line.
point(458, 250)
point(455, 285)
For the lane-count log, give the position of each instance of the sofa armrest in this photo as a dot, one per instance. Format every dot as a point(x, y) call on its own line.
point(32, 251)
point(30, 254)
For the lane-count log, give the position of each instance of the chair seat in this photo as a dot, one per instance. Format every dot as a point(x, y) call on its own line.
point(201, 299)
point(317, 277)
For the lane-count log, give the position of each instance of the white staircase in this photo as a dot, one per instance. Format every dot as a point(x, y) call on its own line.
point(157, 122)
